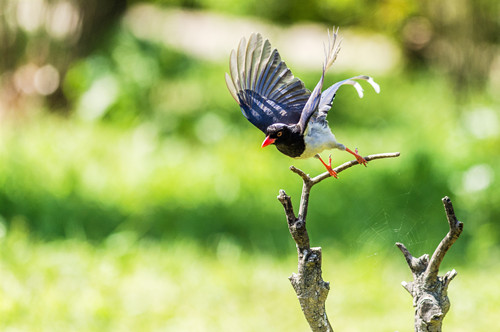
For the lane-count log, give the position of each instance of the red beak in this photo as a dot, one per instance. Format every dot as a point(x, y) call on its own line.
point(268, 141)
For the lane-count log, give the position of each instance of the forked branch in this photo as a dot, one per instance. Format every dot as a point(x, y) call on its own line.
point(429, 291)
point(308, 283)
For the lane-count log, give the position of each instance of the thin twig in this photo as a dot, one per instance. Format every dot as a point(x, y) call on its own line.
point(351, 163)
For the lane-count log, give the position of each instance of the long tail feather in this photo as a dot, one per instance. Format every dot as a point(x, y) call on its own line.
point(333, 48)
point(329, 94)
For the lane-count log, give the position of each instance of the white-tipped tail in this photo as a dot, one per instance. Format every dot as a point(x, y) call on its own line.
point(374, 84)
point(358, 88)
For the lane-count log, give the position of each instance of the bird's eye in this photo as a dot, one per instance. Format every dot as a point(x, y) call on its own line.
point(279, 133)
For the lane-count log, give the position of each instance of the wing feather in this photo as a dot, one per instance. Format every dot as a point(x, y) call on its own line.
point(264, 60)
point(297, 99)
point(231, 87)
point(279, 75)
point(267, 91)
point(263, 85)
point(284, 93)
point(256, 56)
point(241, 62)
point(233, 69)
point(252, 44)
point(271, 71)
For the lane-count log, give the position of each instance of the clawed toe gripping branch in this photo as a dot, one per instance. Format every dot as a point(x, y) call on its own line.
point(308, 283)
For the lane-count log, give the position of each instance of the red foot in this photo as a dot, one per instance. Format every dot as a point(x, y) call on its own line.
point(361, 160)
point(329, 166)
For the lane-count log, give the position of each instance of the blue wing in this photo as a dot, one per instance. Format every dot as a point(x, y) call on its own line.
point(263, 86)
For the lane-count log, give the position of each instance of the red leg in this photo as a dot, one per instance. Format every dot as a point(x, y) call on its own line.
point(329, 166)
point(360, 159)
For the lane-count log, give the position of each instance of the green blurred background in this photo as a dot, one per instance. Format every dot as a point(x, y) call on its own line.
point(135, 195)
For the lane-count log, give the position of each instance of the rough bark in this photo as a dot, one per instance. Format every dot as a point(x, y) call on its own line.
point(430, 291)
point(308, 283)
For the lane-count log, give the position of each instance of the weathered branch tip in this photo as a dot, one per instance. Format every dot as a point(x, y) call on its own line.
point(429, 291)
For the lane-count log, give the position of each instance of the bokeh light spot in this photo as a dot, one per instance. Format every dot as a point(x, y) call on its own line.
point(482, 122)
point(477, 178)
point(46, 80)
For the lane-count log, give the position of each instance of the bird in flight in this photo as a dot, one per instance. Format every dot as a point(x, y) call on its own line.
point(272, 99)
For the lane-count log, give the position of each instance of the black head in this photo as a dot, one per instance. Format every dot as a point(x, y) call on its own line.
point(287, 139)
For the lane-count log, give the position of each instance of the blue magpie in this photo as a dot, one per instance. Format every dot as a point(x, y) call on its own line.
point(272, 99)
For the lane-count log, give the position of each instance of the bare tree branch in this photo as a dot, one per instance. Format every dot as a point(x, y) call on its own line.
point(297, 227)
point(342, 167)
point(429, 291)
point(308, 283)
point(417, 265)
point(456, 228)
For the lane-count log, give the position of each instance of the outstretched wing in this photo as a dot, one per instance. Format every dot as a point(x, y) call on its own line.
point(263, 86)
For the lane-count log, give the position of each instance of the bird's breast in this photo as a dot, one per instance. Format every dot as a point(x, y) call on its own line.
point(317, 138)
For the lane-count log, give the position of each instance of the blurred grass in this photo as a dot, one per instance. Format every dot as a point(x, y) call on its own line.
point(205, 175)
point(126, 284)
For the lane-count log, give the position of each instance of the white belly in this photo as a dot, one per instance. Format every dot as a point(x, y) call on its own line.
point(318, 137)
